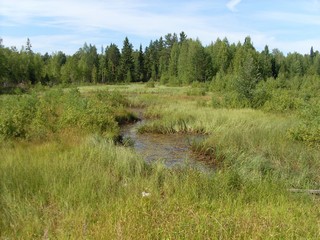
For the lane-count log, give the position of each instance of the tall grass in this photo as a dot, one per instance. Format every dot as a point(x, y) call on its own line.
point(95, 191)
point(251, 141)
point(80, 185)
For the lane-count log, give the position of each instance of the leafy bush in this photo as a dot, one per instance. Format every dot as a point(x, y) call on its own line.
point(283, 101)
point(16, 115)
point(150, 84)
point(37, 116)
point(309, 129)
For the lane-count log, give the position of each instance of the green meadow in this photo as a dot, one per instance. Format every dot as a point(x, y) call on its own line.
point(66, 174)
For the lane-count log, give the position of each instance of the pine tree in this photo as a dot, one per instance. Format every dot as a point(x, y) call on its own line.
point(312, 54)
point(152, 60)
point(140, 68)
point(127, 62)
point(183, 37)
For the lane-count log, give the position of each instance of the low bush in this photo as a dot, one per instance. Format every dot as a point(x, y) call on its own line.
point(150, 84)
point(37, 116)
point(309, 128)
point(16, 115)
point(283, 101)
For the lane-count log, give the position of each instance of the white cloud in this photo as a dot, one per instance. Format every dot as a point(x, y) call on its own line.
point(73, 22)
point(232, 4)
point(82, 16)
point(141, 18)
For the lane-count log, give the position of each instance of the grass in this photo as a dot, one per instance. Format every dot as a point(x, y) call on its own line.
point(80, 185)
point(253, 142)
point(95, 191)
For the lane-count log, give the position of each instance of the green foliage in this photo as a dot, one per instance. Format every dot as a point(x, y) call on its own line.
point(90, 190)
point(16, 115)
point(283, 101)
point(38, 116)
point(127, 61)
point(260, 96)
point(193, 63)
point(83, 186)
point(309, 129)
point(150, 84)
point(229, 100)
point(248, 76)
point(139, 61)
point(233, 67)
point(234, 181)
point(87, 61)
point(113, 59)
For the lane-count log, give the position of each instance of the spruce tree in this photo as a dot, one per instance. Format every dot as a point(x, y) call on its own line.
point(140, 68)
point(127, 62)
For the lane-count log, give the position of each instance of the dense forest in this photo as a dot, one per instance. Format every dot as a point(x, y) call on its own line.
point(172, 59)
point(251, 78)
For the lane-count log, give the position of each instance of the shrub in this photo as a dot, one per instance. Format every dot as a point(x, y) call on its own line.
point(16, 115)
point(309, 128)
point(150, 84)
point(37, 116)
point(260, 96)
point(283, 101)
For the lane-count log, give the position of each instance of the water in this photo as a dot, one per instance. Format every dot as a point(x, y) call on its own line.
point(172, 149)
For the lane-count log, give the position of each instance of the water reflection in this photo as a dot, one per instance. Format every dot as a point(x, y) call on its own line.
point(172, 149)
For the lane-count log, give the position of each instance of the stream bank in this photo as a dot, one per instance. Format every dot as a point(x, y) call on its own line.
point(174, 150)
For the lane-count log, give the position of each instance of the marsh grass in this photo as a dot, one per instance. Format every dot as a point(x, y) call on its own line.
point(94, 191)
point(80, 185)
point(253, 142)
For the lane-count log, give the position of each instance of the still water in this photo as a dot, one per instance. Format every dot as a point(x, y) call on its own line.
point(171, 149)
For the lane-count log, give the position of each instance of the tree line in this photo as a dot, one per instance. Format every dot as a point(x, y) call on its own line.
point(172, 59)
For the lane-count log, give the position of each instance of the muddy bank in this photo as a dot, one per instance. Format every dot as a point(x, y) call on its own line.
point(172, 149)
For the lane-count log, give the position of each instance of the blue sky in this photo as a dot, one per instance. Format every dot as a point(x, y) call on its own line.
point(53, 25)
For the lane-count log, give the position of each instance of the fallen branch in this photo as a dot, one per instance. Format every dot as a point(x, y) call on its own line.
point(310, 191)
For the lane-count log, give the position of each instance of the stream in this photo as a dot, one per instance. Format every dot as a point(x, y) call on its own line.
point(171, 149)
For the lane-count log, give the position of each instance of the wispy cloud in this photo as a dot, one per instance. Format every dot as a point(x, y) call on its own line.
point(112, 15)
point(148, 19)
point(232, 4)
point(66, 24)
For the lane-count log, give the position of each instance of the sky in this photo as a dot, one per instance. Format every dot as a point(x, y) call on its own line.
point(65, 25)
